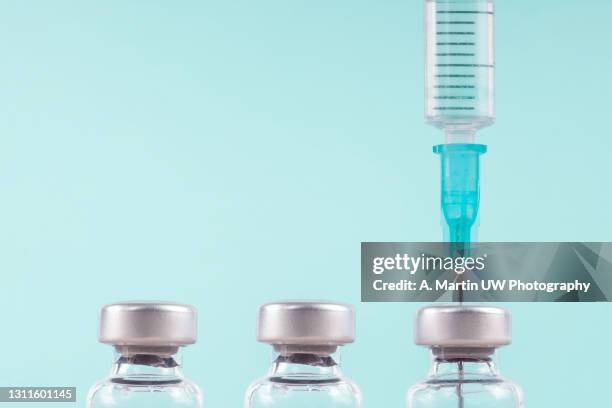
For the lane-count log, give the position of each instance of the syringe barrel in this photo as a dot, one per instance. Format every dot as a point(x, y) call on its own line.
point(460, 66)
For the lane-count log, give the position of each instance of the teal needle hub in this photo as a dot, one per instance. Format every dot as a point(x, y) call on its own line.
point(460, 188)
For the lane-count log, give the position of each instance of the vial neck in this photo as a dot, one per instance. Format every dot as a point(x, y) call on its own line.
point(304, 364)
point(463, 365)
point(147, 368)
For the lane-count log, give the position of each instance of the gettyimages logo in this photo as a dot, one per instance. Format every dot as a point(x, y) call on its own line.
point(414, 264)
point(490, 271)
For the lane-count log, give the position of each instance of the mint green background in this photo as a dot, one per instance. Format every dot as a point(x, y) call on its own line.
point(230, 153)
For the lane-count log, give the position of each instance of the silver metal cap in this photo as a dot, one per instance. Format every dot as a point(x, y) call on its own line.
point(306, 323)
point(462, 327)
point(151, 324)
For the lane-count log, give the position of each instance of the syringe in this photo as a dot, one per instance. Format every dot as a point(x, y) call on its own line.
point(460, 100)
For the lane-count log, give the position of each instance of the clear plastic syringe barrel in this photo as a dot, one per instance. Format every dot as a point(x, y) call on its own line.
point(460, 67)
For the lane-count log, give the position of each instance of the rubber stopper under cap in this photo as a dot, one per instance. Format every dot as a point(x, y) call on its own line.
point(462, 326)
point(148, 324)
point(306, 323)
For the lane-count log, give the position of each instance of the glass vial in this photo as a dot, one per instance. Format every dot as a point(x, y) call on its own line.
point(463, 340)
point(147, 369)
point(305, 369)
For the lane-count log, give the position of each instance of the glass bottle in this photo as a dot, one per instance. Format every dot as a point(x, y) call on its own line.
point(463, 340)
point(305, 370)
point(147, 372)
